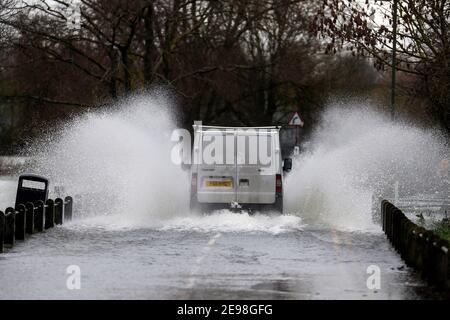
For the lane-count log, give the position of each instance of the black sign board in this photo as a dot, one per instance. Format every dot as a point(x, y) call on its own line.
point(31, 188)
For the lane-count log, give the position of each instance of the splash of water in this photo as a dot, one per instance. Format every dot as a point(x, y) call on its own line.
point(216, 222)
point(356, 153)
point(119, 163)
point(119, 159)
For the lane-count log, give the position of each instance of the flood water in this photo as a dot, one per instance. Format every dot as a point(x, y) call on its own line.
point(136, 239)
point(221, 256)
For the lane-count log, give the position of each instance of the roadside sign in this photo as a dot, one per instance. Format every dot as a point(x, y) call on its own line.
point(296, 120)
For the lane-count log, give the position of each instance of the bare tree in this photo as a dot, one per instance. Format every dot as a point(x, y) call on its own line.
point(238, 59)
point(422, 43)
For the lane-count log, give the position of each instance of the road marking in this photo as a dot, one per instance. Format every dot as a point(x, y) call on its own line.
point(211, 242)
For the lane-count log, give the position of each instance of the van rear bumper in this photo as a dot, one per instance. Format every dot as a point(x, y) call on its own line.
point(242, 197)
point(202, 207)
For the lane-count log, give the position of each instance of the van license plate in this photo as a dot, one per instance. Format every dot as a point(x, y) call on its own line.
point(219, 183)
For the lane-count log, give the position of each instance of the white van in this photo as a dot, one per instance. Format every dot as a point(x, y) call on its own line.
point(237, 168)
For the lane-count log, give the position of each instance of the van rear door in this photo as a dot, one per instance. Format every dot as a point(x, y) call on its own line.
point(217, 171)
point(257, 162)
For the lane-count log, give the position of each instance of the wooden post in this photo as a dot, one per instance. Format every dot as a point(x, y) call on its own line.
point(2, 230)
point(402, 237)
point(10, 226)
point(20, 222)
point(395, 224)
point(386, 221)
point(411, 243)
point(29, 224)
point(68, 208)
point(448, 268)
point(393, 227)
point(398, 230)
point(39, 216)
point(442, 247)
point(59, 210)
point(420, 249)
point(427, 254)
point(395, 216)
point(49, 213)
point(434, 264)
point(389, 223)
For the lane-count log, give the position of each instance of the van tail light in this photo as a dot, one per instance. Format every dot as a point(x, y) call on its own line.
point(194, 183)
point(278, 184)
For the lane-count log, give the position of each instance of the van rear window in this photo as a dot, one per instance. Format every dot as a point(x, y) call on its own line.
point(225, 148)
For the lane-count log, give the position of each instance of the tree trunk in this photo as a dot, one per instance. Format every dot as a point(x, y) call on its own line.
point(112, 83)
point(149, 44)
point(126, 69)
point(171, 31)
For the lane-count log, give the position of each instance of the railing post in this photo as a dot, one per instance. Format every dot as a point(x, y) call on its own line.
point(388, 214)
point(434, 259)
point(2, 230)
point(399, 230)
point(409, 242)
point(393, 234)
point(389, 222)
point(412, 245)
point(448, 268)
point(383, 214)
point(20, 222)
point(389, 226)
point(427, 255)
point(398, 217)
point(39, 216)
point(29, 224)
point(59, 211)
point(402, 236)
point(442, 247)
point(420, 249)
point(68, 208)
point(49, 213)
point(395, 217)
point(10, 226)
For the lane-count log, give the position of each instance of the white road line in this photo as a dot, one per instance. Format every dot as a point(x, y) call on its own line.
point(211, 242)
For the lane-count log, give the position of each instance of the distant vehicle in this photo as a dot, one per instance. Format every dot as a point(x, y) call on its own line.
point(237, 168)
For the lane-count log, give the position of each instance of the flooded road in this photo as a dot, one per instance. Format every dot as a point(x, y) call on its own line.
point(203, 258)
point(141, 243)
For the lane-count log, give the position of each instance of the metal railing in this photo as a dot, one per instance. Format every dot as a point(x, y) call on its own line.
point(419, 248)
point(26, 219)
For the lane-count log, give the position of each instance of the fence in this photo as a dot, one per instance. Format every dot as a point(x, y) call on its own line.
point(29, 218)
point(419, 248)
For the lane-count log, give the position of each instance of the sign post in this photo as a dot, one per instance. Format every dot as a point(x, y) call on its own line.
point(297, 122)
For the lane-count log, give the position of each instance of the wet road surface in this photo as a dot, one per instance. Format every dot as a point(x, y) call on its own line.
point(178, 260)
